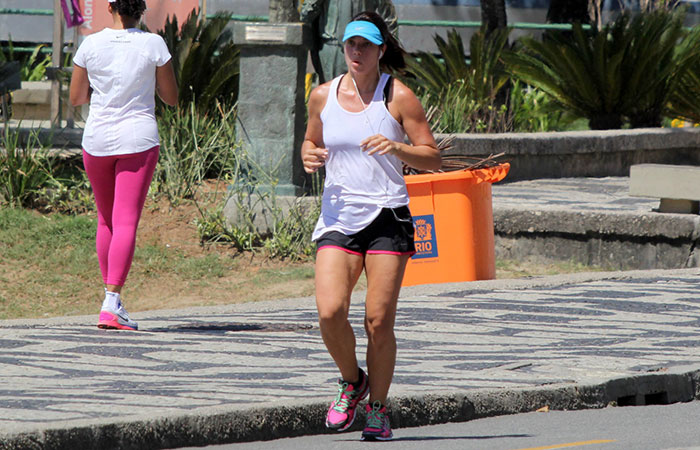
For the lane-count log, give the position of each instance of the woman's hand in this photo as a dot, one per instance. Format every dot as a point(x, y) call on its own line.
point(313, 158)
point(380, 145)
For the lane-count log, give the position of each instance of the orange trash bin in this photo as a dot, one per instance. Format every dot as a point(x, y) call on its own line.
point(453, 218)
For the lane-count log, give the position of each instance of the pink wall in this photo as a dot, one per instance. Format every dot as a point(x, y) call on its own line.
point(97, 17)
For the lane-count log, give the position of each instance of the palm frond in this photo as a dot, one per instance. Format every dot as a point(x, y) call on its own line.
point(205, 59)
point(630, 68)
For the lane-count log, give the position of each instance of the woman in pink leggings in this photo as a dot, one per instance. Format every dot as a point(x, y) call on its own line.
point(118, 71)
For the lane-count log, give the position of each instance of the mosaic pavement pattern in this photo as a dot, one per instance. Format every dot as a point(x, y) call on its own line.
point(468, 336)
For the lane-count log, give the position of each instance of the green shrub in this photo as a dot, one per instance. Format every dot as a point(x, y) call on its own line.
point(684, 100)
point(459, 112)
point(25, 168)
point(198, 147)
point(534, 111)
point(193, 147)
point(462, 96)
point(626, 71)
point(205, 60)
point(281, 227)
point(32, 68)
point(660, 61)
point(68, 191)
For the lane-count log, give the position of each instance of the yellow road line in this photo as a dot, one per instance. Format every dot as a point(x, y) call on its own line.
point(570, 444)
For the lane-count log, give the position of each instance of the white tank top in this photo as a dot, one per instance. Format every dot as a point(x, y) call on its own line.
point(358, 185)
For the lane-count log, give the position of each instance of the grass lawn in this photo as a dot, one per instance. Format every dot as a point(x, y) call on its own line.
point(48, 266)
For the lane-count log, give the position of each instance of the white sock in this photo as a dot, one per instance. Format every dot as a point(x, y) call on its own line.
point(112, 300)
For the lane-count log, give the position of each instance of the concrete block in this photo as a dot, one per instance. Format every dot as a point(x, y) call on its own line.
point(264, 210)
point(671, 205)
point(620, 241)
point(271, 107)
point(587, 153)
point(33, 102)
point(678, 187)
point(272, 34)
point(651, 389)
point(32, 96)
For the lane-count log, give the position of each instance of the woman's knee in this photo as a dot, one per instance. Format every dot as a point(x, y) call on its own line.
point(332, 316)
point(379, 326)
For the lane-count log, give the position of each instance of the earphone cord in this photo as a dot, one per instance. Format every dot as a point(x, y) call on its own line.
point(364, 111)
point(364, 108)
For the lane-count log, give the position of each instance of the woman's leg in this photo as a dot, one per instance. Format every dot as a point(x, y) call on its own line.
point(100, 172)
point(337, 273)
point(384, 276)
point(133, 174)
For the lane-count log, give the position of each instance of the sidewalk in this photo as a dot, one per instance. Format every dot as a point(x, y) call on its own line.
point(260, 370)
point(466, 350)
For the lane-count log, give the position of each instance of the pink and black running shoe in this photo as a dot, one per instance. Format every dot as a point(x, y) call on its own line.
point(341, 414)
point(378, 427)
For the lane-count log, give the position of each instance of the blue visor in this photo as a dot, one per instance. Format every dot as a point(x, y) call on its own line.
point(364, 29)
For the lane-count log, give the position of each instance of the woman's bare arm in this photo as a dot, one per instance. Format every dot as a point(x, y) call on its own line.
point(313, 152)
point(79, 86)
point(422, 153)
point(166, 85)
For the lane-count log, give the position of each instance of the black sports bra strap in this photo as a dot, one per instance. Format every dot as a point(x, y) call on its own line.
point(387, 87)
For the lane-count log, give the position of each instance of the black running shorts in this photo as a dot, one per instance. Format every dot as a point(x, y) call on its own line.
point(390, 233)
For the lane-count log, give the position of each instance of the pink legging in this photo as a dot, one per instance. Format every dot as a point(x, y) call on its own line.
point(120, 184)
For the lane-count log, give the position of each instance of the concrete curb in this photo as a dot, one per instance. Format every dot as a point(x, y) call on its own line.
point(608, 239)
point(279, 422)
point(587, 153)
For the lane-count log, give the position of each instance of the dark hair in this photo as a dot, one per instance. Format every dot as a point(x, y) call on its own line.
point(393, 57)
point(130, 8)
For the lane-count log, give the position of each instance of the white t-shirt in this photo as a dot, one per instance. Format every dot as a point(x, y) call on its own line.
point(121, 67)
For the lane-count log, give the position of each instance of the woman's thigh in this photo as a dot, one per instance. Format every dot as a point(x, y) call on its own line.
point(133, 174)
point(100, 172)
point(337, 273)
point(384, 276)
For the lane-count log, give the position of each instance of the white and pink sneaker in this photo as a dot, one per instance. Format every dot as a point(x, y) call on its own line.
point(111, 318)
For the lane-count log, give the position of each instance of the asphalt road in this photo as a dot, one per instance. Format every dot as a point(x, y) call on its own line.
point(664, 427)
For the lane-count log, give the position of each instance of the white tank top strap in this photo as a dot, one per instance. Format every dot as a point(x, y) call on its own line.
point(379, 93)
point(333, 93)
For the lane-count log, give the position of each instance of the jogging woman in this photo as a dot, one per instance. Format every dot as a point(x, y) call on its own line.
point(357, 126)
point(118, 70)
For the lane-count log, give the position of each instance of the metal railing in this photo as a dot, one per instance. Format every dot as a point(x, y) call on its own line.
point(27, 12)
point(410, 23)
point(477, 24)
point(439, 23)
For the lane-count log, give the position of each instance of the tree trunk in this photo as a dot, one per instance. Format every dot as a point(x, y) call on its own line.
point(493, 14)
point(568, 11)
point(605, 122)
point(283, 11)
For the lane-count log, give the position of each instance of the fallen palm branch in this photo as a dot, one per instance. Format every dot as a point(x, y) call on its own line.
point(451, 163)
